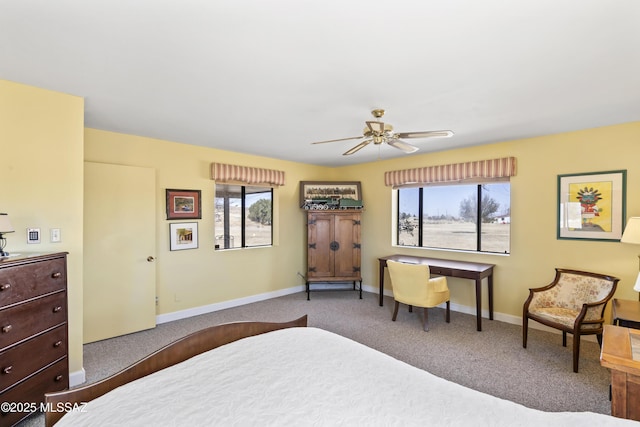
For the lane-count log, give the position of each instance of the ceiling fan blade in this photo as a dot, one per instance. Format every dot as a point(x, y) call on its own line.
point(340, 139)
point(376, 127)
point(357, 147)
point(427, 134)
point(401, 145)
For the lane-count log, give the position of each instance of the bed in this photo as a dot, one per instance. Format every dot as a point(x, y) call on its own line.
point(273, 374)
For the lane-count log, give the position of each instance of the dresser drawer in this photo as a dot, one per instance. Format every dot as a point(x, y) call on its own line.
point(24, 320)
point(25, 281)
point(31, 391)
point(22, 360)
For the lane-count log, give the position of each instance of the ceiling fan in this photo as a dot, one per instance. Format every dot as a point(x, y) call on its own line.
point(379, 132)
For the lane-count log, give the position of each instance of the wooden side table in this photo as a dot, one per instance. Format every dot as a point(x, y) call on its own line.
point(620, 353)
point(626, 313)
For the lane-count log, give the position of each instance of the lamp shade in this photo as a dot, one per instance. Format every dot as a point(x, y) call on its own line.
point(5, 224)
point(632, 231)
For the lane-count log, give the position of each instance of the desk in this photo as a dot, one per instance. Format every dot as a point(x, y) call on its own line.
point(444, 267)
point(618, 347)
point(626, 313)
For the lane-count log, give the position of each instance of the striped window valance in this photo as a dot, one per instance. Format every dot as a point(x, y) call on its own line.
point(245, 174)
point(478, 170)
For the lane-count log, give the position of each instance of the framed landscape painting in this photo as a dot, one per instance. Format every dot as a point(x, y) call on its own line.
point(183, 204)
point(183, 235)
point(591, 206)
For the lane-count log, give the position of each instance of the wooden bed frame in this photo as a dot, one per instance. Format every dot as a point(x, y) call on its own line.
point(176, 352)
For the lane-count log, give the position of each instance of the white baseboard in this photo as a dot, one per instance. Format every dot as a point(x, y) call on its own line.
point(77, 377)
point(210, 308)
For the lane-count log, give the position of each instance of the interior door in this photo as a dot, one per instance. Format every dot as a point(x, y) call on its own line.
point(119, 250)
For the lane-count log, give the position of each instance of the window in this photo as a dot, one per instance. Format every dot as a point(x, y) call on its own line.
point(243, 216)
point(449, 217)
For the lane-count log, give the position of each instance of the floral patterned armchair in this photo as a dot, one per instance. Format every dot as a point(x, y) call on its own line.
point(573, 303)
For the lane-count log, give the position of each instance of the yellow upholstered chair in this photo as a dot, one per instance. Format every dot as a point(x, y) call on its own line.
point(573, 303)
point(413, 285)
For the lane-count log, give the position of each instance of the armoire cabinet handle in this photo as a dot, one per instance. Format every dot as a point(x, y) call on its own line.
point(6, 329)
point(57, 343)
point(5, 286)
point(59, 378)
point(7, 370)
point(57, 308)
point(56, 275)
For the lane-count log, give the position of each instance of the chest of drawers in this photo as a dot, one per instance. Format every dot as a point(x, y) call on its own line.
point(33, 331)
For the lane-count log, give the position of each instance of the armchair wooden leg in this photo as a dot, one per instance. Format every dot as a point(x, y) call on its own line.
point(425, 325)
point(576, 351)
point(395, 311)
point(525, 330)
point(410, 309)
point(564, 339)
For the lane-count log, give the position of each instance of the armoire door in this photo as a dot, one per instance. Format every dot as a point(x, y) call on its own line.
point(119, 250)
point(347, 237)
point(320, 229)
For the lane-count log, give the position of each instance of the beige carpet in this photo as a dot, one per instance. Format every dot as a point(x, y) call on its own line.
point(492, 361)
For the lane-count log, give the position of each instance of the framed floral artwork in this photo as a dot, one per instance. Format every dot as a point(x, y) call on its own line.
point(591, 206)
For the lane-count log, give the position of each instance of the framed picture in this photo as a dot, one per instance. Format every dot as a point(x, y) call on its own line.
point(183, 235)
point(310, 190)
point(183, 204)
point(591, 206)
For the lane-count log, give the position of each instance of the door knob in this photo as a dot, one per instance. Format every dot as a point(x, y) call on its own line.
point(150, 259)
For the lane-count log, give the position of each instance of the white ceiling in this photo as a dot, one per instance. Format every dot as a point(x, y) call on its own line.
point(270, 77)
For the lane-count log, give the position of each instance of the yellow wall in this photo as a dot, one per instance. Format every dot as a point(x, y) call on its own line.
point(41, 135)
point(535, 251)
point(202, 276)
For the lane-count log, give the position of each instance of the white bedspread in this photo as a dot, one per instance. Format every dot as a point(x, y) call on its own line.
point(308, 377)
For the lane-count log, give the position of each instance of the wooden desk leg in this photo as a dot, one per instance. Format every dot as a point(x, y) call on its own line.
point(381, 296)
point(490, 288)
point(479, 304)
point(308, 292)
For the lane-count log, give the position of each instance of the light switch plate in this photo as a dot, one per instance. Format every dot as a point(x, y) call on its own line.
point(33, 235)
point(55, 235)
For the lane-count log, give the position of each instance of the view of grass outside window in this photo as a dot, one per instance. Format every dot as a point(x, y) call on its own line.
point(243, 216)
point(448, 217)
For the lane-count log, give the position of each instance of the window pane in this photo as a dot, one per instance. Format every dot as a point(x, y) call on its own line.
point(408, 199)
point(496, 222)
point(449, 217)
point(228, 213)
point(258, 212)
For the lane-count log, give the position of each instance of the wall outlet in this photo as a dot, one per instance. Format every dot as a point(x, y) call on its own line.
point(33, 235)
point(55, 235)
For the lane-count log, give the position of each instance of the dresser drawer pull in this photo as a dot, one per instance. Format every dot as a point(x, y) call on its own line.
point(5, 286)
point(59, 378)
point(7, 370)
point(57, 343)
point(56, 275)
point(57, 308)
point(6, 329)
